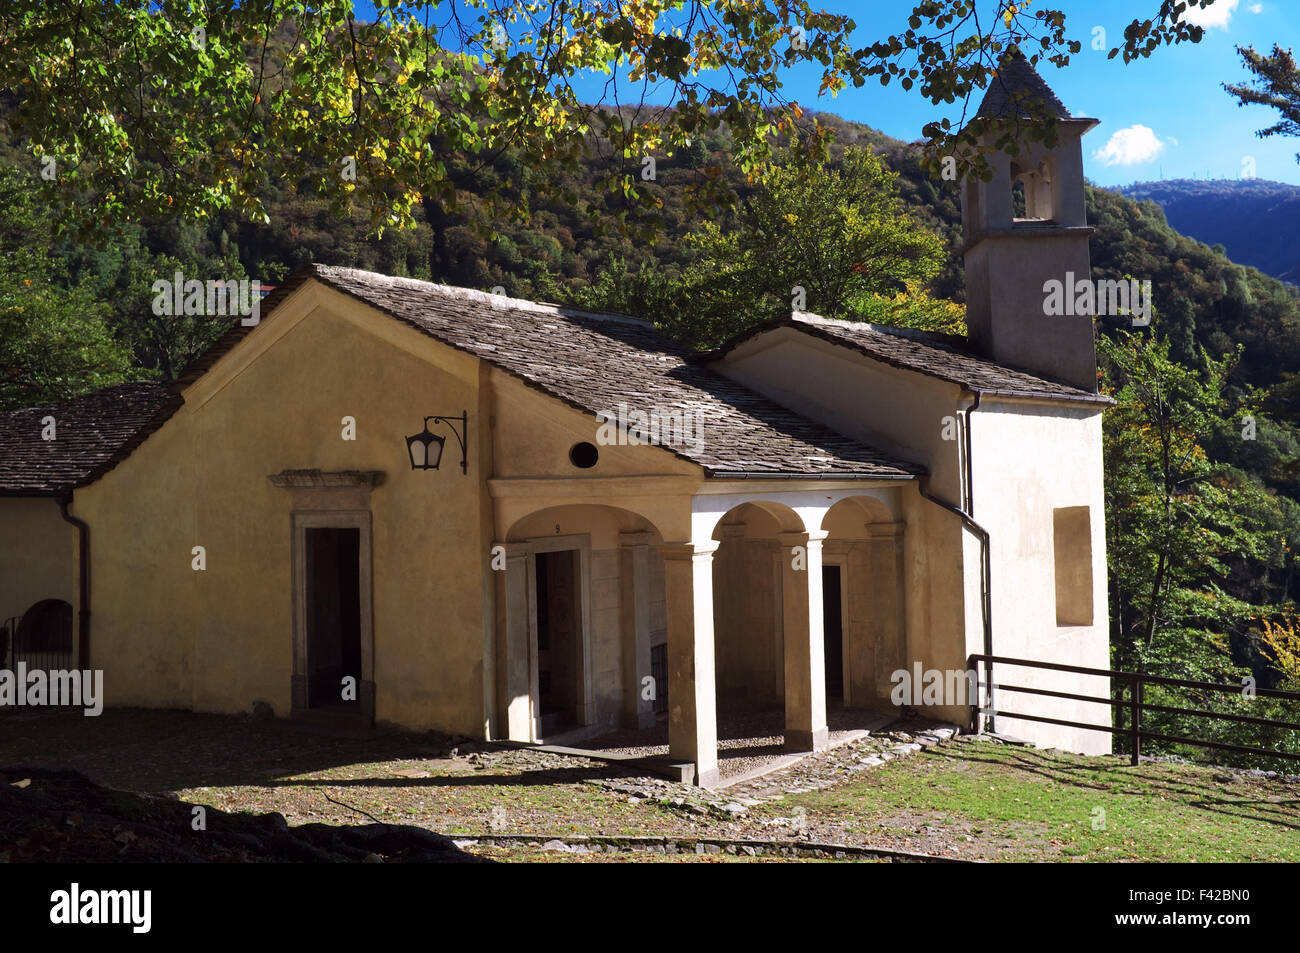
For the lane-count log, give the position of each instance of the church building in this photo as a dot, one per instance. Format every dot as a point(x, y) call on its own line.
point(400, 502)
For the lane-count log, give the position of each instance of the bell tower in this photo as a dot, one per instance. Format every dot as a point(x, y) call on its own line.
point(1010, 252)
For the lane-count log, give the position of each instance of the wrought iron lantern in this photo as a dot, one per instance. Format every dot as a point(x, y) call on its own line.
point(425, 447)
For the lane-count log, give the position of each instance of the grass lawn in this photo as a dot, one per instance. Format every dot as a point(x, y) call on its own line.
point(1012, 803)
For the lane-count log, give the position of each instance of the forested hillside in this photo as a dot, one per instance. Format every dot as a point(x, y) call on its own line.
point(1256, 221)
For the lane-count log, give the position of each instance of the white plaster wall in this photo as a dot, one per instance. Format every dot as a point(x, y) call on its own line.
point(1029, 460)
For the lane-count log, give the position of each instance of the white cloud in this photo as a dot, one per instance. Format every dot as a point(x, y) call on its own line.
point(1216, 16)
point(1256, 8)
point(1130, 146)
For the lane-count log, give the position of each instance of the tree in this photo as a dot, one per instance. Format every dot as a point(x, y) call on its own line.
point(55, 340)
point(1174, 517)
point(1180, 325)
point(836, 241)
point(147, 108)
point(1177, 525)
point(1275, 83)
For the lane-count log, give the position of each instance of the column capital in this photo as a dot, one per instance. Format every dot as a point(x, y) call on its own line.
point(701, 550)
point(636, 538)
point(812, 538)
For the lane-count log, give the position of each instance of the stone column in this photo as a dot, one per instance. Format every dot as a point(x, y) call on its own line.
point(805, 663)
point(692, 711)
point(634, 600)
point(518, 648)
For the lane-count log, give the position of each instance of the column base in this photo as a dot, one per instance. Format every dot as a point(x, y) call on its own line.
point(807, 740)
point(707, 779)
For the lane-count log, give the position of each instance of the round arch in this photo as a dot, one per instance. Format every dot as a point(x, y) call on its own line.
point(766, 517)
point(569, 518)
point(853, 512)
point(43, 635)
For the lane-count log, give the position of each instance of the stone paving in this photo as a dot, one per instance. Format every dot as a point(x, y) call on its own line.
point(811, 773)
point(749, 742)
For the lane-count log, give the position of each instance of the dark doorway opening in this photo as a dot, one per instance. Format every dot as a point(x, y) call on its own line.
point(833, 631)
point(559, 641)
point(42, 637)
point(333, 620)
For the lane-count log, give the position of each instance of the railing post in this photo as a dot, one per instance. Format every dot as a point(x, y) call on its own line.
point(974, 700)
point(1135, 714)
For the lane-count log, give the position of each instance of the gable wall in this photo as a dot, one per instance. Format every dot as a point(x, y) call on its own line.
point(220, 639)
point(895, 411)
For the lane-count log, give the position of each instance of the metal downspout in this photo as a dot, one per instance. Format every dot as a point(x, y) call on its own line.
point(83, 582)
point(966, 514)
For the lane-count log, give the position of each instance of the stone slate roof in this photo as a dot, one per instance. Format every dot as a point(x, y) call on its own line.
point(1016, 91)
point(92, 435)
point(934, 355)
point(595, 362)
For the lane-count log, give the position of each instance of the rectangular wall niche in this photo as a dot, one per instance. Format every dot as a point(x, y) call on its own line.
point(1072, 543)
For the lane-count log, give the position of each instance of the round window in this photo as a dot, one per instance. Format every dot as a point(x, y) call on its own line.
point(583, 455)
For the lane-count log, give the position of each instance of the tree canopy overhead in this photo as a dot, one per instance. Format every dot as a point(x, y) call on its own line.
point(137, 108)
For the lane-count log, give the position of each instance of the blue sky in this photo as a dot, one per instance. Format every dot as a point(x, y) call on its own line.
point(1189, 125)
point(1163, 117)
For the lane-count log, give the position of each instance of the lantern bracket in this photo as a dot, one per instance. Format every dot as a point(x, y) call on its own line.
point(462, 435)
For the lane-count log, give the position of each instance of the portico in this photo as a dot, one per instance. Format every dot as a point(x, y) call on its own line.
point(736, 604)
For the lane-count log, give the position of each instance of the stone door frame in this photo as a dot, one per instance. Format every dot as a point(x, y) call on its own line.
point(331, 499)
point(586, 713)
point(360, 520)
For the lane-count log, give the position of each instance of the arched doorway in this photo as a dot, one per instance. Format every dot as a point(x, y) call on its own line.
point(581, 623)
point(767, 602)
point(42, 638)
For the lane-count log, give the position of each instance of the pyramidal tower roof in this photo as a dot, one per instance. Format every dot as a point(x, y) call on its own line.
point(1016, 91)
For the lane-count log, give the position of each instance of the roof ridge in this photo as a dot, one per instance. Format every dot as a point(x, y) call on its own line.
point(957, 355)
point(921, 336)
point(473, 294)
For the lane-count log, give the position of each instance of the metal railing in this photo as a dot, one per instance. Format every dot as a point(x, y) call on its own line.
point(7, 640)
point(1135, 705)
point(15, 648)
